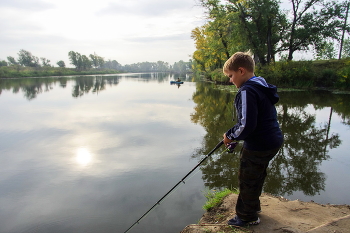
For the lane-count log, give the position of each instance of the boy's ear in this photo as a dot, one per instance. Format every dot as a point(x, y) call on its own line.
point(242, 70)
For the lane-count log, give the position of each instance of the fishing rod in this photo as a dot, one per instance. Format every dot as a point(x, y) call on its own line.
point(229, 149)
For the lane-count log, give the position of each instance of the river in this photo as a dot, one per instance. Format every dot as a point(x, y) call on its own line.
point(94, 153)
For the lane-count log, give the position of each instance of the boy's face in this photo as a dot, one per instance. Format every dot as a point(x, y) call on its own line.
point(236, 77)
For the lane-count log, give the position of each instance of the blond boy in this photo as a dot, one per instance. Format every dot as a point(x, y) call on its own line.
point(257, 126)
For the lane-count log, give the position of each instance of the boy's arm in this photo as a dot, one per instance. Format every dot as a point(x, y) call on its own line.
point(247, 112)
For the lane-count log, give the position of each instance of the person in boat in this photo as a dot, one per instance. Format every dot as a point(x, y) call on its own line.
point(178, 80)
point(258, 127)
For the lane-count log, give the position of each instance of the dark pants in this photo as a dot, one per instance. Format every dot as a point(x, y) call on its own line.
point(252, 173)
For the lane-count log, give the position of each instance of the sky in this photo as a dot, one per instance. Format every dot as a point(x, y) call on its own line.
point(128, 31)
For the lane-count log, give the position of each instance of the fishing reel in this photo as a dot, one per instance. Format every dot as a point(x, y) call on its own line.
point(231, 146)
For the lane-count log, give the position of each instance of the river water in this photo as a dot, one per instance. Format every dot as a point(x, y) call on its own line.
point(94, 153)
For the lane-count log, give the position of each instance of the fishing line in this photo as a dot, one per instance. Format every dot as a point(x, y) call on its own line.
point(228, 149)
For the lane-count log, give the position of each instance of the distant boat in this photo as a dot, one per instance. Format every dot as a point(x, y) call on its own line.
point(176, 82)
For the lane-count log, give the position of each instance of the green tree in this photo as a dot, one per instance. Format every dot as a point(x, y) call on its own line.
point(180, 67)
point(25, 58)
point(240, 25)
point(310, 26)
point(161, 66)
point(100, 61)
point(3, 63)
point(345, 28)
point(76, 59)
point(346, 48)
point(86, 63)
point(61, 64)
point(97, 61)
point(45, 62)
point(260, 23)
point(113, 65)
point(12, 60)
point(326, 51)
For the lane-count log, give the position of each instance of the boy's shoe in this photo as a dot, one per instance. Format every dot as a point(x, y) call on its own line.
point(236, 221)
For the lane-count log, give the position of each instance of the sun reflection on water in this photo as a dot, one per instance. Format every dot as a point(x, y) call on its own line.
point(83, 157)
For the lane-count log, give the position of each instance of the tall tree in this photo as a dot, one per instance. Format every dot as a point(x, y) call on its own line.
point(12, 60)
point(45, 61)
point(86, 63)
point(25, 58)
point(344, 29)
point(310, 25)
point(245, 24)
point(76, 59)
point(261, 22)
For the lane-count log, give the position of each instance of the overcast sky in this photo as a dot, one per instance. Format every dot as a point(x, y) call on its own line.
point(128, 31)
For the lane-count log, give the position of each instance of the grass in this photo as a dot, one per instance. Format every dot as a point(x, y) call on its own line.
point(214, 198)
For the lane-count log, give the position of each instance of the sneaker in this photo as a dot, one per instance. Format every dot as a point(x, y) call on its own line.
point(236, 221)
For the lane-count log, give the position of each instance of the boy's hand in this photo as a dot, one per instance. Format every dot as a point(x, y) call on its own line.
point(226, 140)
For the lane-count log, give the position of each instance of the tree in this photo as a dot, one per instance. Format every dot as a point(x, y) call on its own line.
point(311, 26)
point(76, 59)
point(161, 66)
point(86, 63)
point(61, 64)
point(45, 62)
point(25, 58)
point(114, 65)
point(73, 58)
point(346, 5)
point(326, 51)
point(261, 23)
point(3, 63)
point(180, 67)
point(12, 60)
point(101, 62)
point(346, 48)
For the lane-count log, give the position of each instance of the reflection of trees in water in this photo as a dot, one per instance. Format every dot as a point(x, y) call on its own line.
point(95, 84)
point(31, 87)
point(295, 168)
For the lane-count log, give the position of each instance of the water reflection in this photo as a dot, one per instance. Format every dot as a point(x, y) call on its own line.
point(32, 87)
point(306, 146)
point(83, 157)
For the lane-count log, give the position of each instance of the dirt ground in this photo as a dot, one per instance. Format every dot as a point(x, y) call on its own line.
point(278, 215)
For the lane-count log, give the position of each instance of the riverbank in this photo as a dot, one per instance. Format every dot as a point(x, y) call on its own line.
point(327, 74)
point(24, 72)
point(278, 215)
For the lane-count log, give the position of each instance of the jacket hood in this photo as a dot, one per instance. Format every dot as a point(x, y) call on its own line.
point(269, 89)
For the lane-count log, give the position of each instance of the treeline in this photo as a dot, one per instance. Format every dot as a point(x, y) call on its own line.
point(318, 27)
point(29, 65)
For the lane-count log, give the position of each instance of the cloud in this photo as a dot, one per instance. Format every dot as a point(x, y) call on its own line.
point(150, 39)
point(117, 30)
point(150, 8)
point(36, 5)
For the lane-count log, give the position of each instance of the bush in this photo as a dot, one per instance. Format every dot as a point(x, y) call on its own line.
point(326, 78)
point(218, 76)
point(343, 82)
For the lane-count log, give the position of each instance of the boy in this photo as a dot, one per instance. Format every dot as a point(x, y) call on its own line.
point(257, 125)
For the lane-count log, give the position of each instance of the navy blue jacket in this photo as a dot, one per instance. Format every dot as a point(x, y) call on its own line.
point(256, 116)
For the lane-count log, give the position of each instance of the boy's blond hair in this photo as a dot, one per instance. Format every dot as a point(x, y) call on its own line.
point(240, 59)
